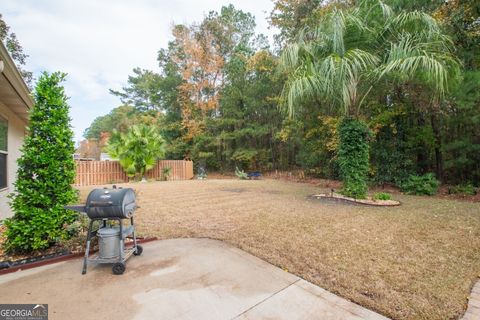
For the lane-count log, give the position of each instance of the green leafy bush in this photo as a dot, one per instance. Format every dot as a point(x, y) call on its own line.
point(46, 171)
point(382, 196)
point(241, 174)
point(467, 189)
point(353, 157)
point(166, 172)
point(391, 158)
point(137, 150)
point(202, 173)
point(421, 185)
point(318, 147)
point(246, 157)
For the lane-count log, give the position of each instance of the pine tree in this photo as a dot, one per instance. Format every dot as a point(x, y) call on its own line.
point(46, 171)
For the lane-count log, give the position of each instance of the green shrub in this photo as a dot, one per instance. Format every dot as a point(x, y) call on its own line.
point(137, 150)
point(166, 172)
point(46, 171)
point(241, 174)
point(382, 196)
point(467, 189)
point(420, 185)
point(202, 173)
point(353, 157)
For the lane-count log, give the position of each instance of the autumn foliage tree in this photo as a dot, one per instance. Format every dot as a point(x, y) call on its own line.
point(200, 64)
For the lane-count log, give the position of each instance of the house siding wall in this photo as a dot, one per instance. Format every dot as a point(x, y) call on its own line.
point(16, 133)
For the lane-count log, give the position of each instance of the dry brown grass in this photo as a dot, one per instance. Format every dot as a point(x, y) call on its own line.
point(416, 261)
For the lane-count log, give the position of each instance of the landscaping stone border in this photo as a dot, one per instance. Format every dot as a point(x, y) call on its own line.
point(34, 262)
point(366, 202)
point(10, 264)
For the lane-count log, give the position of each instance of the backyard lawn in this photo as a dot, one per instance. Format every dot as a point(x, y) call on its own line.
point(416, 261)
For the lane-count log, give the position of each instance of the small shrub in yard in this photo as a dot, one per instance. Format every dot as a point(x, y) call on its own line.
point(382, 196)
point(202, 173)
point(241, 174)
point(166, 172)
point(77, 234)
point(420, 185)
point(467, 189)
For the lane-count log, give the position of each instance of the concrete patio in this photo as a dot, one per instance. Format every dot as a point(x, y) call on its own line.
point(178, 279)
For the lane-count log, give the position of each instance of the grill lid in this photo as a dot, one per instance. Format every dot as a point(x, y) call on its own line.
point(111, 203)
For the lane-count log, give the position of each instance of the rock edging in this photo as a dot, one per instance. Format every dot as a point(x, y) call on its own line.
point(367, 202)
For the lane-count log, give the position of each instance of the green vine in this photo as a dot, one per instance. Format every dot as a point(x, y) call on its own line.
point(353, 157)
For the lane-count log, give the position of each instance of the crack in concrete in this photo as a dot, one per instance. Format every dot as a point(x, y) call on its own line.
point(267, 298)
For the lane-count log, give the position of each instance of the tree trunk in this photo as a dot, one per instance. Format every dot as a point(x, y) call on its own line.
point(438, 147)
point(422, 159)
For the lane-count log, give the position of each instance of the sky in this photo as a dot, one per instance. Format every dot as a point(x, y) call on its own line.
point(98, 42)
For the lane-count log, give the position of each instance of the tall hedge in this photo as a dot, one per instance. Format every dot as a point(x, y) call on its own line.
point(46, 171)
point(353, 157)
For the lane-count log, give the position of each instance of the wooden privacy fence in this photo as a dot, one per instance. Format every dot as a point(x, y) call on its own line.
point(107, 172)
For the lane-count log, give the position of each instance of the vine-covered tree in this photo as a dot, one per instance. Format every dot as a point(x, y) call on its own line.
point(341, 58)
point(46, 172)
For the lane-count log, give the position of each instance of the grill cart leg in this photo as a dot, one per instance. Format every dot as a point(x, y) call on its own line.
point(133, 236)
point(122, 253)
point(119, 267)
point(137, 249)
point(87, 249)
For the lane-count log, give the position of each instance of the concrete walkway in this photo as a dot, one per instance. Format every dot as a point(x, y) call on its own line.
point(473, 311)
point(178, 279)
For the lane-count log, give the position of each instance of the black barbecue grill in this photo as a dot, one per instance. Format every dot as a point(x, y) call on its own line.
point(110, 207)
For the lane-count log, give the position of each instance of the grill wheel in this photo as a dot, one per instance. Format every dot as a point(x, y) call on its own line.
point(138, 251)
point(118, 268)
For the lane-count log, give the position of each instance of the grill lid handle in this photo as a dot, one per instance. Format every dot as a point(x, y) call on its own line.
point(101, 203)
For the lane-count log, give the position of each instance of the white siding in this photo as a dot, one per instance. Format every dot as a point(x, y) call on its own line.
point(16, 132)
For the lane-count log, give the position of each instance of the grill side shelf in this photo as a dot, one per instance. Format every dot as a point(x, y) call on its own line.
point(77, 208)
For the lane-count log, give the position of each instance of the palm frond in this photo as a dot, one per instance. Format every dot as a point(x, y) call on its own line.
point(387, 11)
point(341, 59)
point(338, 28)
point(415, 20)
point(298, 89)
point(289, 58)
point(410, 59)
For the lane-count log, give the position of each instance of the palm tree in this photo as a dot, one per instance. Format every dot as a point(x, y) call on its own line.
point(137, 150)
point(339, 61)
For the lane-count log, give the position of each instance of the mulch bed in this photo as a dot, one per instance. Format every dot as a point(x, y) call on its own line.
point(297, 176)
point(14, 262)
